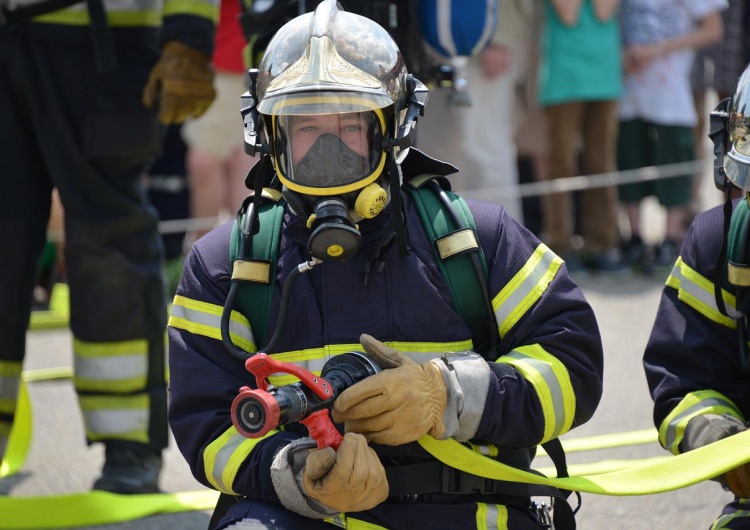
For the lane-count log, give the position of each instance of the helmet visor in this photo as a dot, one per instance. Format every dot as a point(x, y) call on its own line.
point(324, 154)
point(737, 160)
point(737, 168)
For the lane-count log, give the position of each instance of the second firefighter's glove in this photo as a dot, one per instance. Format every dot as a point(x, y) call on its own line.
point(408, 400)
point(738, 481)
point(181, 83)
point(706, 429)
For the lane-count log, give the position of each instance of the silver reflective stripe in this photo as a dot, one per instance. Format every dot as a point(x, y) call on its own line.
point(111, 367)
point(213, 321)
point(492, 516)
point(223, 457)
point(553, 385)
point(483, 449)
point(115, 421)
point(700, 297)
point(523, 295)
point(9, 387)
point(694, 410)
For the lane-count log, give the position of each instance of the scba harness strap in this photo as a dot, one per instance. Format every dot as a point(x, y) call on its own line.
point(733, 273)
point(448, 222)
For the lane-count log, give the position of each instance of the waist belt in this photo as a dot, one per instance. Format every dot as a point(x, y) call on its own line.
point(101, 33)
point(435, 482)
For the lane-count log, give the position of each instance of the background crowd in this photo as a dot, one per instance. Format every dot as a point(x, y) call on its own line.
point(565, 88)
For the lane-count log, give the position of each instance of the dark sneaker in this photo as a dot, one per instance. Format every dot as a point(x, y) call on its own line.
point(606, 262)
point(665, 254)
point(572, 261)
point(130, 468)
point(636, 253)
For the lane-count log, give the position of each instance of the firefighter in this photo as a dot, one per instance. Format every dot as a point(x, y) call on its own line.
point(84, 90)
point(696, 359)
point(335, 102)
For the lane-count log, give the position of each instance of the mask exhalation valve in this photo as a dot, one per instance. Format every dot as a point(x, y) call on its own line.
point(334, 237)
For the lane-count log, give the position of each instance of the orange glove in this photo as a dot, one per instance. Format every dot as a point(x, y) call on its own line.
point(181, 82)
point(738, 481)
point(351, 479)
point(398, 405)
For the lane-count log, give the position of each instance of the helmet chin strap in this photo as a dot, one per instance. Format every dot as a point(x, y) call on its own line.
point(399, 224)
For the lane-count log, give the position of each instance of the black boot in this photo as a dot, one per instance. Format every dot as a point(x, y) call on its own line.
point(130, 468)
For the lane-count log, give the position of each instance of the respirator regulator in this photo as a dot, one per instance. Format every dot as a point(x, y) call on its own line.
point(333, 220)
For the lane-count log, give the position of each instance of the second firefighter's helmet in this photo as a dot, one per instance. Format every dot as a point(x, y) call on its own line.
point(737, 160)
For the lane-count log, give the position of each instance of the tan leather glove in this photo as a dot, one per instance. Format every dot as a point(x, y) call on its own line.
point(398, 405)
point(738, 481)
point(181, 82)
point(351, 479)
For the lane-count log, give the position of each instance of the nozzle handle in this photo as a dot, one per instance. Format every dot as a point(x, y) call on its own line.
point(322, 430)
point(262, 365)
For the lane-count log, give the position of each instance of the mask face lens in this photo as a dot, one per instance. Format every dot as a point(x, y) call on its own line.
point(328, 150)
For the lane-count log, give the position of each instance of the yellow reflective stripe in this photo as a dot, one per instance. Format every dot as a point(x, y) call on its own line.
point(491, 516)
point(11, 368)
point(429, 347)
point(349, 523)
point(313, 359)
point(725, 519)
point(203, 318)
point(121, 386)
point(694, 404)
point(121, 417)
point(550, 378)
point(336, 520)
point(77, 17)
point(110, 366)
point(223, 457)
point(101, 349)
point(198, 8)
point(697, 291)
point(525, 288)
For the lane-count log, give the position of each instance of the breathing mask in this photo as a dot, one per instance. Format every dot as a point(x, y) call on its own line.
point(331, 168)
